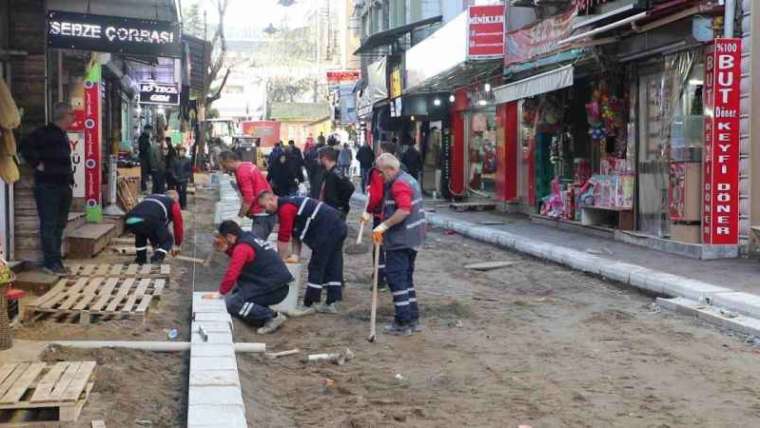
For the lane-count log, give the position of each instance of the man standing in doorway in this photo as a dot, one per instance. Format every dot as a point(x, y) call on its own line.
point(48, 151)
point(143, 145)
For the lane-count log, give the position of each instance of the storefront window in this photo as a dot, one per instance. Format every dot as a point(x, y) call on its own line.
point(481, 153)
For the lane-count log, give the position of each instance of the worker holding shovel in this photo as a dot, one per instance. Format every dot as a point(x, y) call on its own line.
point(256, 278)
point(402, 232)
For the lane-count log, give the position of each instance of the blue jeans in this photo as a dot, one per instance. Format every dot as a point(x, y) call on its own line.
point(53, 205)
point(399, 271)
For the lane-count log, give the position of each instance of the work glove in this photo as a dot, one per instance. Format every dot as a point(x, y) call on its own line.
point(175, 251)
point(366, 217)
point(377, 233)
point(292, 259)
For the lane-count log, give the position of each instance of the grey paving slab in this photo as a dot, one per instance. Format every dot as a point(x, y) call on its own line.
point(212, 350)
point(215, 395)
point(212, 363)
point(212, 316)
point(214, 378)
point(205, 415)
point(212, 326)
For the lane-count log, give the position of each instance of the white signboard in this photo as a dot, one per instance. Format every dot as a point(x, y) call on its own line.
point(76, 139)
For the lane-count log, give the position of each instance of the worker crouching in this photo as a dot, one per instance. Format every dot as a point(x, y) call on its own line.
point(256, 278)
point(402, 232)
point(320, 227)
point(149, 221)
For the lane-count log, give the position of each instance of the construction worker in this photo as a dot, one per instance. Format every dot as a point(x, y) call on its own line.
point(320, 227)
point(256, 278)
point(376, 192)
point(251, 183)
point(401, 232)
point(149, 220)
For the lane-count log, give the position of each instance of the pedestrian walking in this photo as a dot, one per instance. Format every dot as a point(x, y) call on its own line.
point(336, 187)
point(366, 158)
point(282, 177)
point(345, 157)
point(402, 233)
point(171, 154)
point(181, 171)
point(251, 183)
point(314, 170)
point(158, 155)
point(144, 146)
point(319, 226)
point(149, 221)
point(256, 278)
point(413, 161)
point(48, 152)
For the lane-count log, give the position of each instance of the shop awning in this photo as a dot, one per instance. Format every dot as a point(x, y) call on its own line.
point(535, 85)
point(387, 37)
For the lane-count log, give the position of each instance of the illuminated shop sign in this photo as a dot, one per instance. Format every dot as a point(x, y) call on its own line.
point(67, 30)
point(159, 93)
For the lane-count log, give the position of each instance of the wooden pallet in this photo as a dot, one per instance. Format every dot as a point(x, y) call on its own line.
point(120, 270)
point(98, 296)
point(64, 386)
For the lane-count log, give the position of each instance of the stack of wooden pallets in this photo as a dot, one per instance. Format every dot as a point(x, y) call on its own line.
point(98, 296)
point(121, 270)
point(38, 387)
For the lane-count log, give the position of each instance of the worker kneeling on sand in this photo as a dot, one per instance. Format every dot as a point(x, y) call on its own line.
point(149, 221)
point(321, 228)
point(256, 278)
point(402, 232)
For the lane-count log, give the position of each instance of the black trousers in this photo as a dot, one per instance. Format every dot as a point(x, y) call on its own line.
point(326, 269)
point(144, 174)
point(182, 192)
point(159, 182)
point(159, 236)
point(53, 205)
point(254, 310)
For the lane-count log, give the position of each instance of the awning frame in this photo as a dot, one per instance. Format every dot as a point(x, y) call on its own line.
point(549, 81)
point(387, 37)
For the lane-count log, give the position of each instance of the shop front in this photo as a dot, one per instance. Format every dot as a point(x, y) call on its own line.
point(461, 81)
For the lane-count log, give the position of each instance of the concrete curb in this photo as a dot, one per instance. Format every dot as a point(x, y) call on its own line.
point(651, 280)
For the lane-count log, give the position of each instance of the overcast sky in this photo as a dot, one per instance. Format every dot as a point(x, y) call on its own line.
point(258, 13)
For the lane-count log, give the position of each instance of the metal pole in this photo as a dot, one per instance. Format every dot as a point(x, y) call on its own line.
point(729, 18)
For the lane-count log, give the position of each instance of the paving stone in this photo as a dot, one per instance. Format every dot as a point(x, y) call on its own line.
point(712, 314)
point(214, 378)
point(212, 363)
point(211, 316)
point(215, 395)
point(212, 326)
point(212, 350)
point(213, 338)
point(227, 416)
point(694, 290)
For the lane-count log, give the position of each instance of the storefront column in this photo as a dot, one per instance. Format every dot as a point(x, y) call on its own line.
point(506, 150)
point(458, 107)
point(750, 129)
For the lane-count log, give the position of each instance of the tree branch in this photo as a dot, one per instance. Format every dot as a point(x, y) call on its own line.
point(218, 93)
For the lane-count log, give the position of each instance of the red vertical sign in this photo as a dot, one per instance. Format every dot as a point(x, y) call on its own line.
point(92, 192)
point(720, 216)
point(486, 32)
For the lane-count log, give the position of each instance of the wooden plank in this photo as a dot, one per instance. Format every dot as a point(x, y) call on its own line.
point(63, 382)
point(74, 268)
point(158, 287)
point(18, 389)
point(45, 386)
point(144, 303)
point(123, 290)
point(132, 269)
point(81, 378)
point(89, 293)
point(60, 286)
point(104, 294)
point(18, 370)
point(166, 270)
point(6, 370)
point(65, 292)
point(74, 293)
point(102, 269)
point(139, 292)
point(88, 268)
point(116, 269)
point(146, 269)
point(70, 413)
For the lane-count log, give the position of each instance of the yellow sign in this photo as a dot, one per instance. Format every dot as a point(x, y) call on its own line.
point(395, 82)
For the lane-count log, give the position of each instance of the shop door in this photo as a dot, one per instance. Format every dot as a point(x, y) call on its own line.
point(653, 160)
point(481, 152)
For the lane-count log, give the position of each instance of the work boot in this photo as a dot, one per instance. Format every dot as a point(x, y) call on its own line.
point(140, 260)
point(157, 258)
point(273, 324)
point(396, 329)
point(302, 310)
point(416, 326)
point(324, 308)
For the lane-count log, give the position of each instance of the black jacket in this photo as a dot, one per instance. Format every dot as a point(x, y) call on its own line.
point(180, 169)
point(49, 146)
point(365, 156)
point(413, 161)
point(337, 191)
point(267, 273)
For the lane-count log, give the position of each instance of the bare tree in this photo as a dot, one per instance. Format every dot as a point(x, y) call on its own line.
point(211, 91)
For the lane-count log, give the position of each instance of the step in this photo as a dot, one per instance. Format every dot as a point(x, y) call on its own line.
point(89, 239)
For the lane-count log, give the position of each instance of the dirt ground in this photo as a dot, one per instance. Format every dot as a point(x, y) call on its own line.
point(533, 343)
